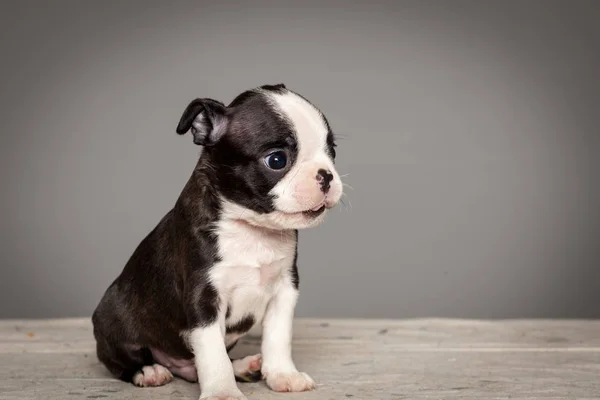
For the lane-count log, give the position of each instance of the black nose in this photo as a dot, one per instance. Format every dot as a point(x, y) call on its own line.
point(324, 178)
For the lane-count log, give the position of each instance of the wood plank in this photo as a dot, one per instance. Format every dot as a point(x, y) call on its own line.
point(349, 359)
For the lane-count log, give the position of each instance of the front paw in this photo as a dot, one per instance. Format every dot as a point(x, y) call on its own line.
point(290, 382)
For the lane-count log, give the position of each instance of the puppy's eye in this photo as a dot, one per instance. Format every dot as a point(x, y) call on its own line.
point(276, 160)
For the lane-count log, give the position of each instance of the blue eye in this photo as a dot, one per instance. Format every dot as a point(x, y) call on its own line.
point(276, 160)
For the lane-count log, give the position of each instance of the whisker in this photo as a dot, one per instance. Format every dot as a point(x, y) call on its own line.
point(347, 185)
point(345, 205)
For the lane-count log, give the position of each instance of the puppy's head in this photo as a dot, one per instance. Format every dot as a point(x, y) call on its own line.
point(272, 153)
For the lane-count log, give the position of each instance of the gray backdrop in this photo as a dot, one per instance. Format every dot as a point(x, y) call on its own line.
point(471, 136)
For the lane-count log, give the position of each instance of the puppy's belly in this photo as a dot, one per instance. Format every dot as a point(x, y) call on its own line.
point(184, 368)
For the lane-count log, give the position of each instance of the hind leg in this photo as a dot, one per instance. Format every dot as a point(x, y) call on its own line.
point(132, 364)
point(247, 369)
point(152, 375)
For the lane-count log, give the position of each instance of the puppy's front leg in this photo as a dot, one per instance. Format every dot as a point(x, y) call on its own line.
point(278, 367)
point(215, 372)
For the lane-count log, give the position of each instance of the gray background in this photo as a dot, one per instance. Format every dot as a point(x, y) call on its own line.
point(471, 133)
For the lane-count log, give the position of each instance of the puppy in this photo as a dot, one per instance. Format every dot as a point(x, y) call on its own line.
point(224, 258)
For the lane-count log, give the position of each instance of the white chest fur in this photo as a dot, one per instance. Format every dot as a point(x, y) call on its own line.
point(254, 261)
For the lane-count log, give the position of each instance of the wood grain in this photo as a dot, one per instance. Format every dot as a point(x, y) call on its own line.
point(349, 359)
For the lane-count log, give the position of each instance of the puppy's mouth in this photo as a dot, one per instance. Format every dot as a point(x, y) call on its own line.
point(311, 213)
point(314, 212)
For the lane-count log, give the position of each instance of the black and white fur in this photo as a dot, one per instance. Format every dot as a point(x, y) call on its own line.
point(224, 258)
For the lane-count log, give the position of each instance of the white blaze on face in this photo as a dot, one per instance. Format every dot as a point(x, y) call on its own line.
point(299, 189)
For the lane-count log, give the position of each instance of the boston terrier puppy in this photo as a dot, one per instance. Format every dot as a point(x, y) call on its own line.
point(224, 258)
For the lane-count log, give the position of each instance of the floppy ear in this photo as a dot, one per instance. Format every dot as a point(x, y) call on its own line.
point(277, 87)
point(206, 119)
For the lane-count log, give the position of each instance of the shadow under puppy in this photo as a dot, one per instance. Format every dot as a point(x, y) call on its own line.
point(224, 258)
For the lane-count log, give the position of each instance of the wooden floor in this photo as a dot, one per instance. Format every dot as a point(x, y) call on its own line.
point(349, 359)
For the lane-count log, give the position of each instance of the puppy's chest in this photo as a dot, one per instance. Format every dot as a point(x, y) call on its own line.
point(253, 263)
